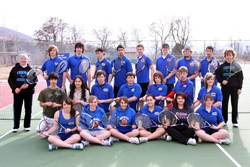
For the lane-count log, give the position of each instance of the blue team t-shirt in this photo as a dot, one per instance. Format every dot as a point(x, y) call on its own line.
point(143, 76)
point(161, 66)
point(215, 92)
point(153, 115)
point(120, 77)
point(106, 66)
point(103, 93)
point(73, 63)
point(50, 65)
point(130, 91)
point(204, 69)
point(185, 62)
point(211, 117)
point(187, 88)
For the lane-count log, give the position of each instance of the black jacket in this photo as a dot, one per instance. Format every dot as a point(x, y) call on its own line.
point(222, 74)
point(17, 78)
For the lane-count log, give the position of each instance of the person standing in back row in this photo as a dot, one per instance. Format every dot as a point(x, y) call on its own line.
point(143, 76)
point(126, 66)
point(73, 63)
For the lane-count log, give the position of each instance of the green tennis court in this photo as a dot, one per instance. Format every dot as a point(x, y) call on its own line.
point(28, 149)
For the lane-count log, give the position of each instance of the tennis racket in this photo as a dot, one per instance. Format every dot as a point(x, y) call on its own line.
point(213, 65)
point(83, 67)
point(197, 121)
point(140, 64)
point(98, 67)
point(168, 118)
point(61, 67)
point(115, 121)
point(193, 67)
point(117, 64)
point(55, 97)
point(30, 78)
point(144, 121)
point(46, 124)
point(171, 64)
point(236, 66)
point(197, 104)
point(87, 122)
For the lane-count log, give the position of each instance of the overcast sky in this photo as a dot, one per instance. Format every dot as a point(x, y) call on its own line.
point(210, 20)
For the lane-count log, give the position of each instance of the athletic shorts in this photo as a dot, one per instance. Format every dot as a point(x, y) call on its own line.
point(210, 131)
point(45, 125)
point(144, 88)
point(64, 136)
point(124, 130)
point(152, 130)
point(95, 133)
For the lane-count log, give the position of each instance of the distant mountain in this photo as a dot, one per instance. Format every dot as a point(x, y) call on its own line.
point(9, 33)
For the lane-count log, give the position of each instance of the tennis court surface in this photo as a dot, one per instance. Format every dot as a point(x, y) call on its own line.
point(28, 149)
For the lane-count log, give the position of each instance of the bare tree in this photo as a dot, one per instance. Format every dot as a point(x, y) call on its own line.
point(75, 34)
point(3, 44)
point(181, 30)
point(52, 30)
point(137, 35)
point(123, 37)
point(160, 31)
point(102, 35)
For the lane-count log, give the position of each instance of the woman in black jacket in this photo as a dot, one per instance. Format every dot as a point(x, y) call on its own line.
point(16, 80)
point(230, 85)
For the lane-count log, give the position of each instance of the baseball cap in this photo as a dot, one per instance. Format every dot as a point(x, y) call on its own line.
point(99, 50)
point(187, 48)
point(165, 45)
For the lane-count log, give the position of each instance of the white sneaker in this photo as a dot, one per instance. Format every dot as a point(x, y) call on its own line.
point(77, 146)
point(163, 137)
point(107, 143)
point(52, 147)
point(114, 139)
point(85, 143)
point(199, 140)
point(191, 141)
point(235, 125)
point(27, 129)
point(14, 130)
point(133, 140)
point(225, 124)
point(168, 138)
point(143, 139)
point(225, 141)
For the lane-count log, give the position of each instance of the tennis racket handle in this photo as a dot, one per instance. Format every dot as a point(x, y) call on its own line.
point(21, 88)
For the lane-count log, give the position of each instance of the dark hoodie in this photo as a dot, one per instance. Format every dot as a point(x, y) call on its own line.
point(222, 73)
point(17, 78)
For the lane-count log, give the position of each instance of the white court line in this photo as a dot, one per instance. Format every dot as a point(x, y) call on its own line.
point(228, 155)
point(20, 125)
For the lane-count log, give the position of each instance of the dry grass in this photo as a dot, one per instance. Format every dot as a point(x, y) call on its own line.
point(5, 71)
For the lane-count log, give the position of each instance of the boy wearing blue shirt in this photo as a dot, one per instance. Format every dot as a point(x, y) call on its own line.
point(205, 62)
point(161, 62)
point(159, 90)
point(75, 60)
point(187, 52)
point(143, 76)
point(183, 85)
point(50, 65)
point(104, 64)
point(131, 90)
point(103, 91)
point(120, 77)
